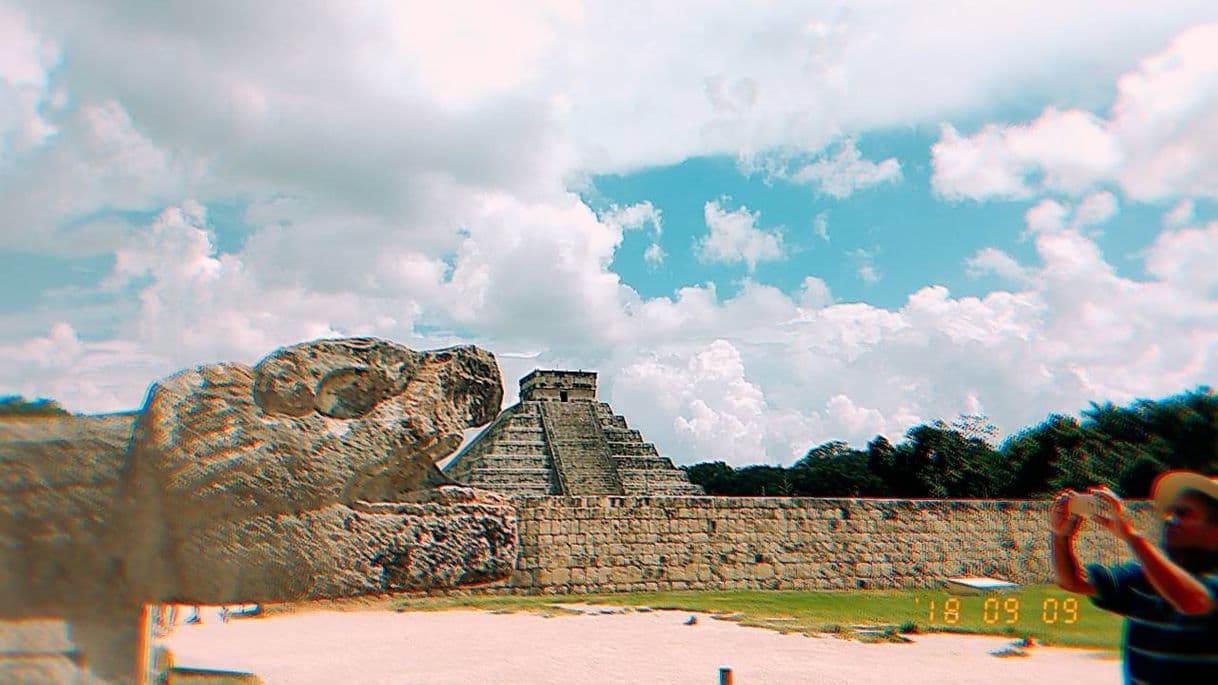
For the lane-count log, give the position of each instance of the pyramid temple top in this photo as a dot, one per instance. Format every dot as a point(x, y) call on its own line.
point(562, 386)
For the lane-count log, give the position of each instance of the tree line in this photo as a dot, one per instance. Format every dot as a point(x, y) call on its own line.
point(17, 405)
point(1122, 447)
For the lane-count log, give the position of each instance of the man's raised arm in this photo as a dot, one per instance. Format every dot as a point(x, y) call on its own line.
point(1185, 592)
point(1063, 526)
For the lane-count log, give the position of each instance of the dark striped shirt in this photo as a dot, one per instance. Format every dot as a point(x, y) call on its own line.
point(1160, 645)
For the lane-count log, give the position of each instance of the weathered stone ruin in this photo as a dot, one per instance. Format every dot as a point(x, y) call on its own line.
point(311, 475)
point(560, 440)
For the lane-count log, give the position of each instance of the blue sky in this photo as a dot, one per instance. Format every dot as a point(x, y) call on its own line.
point(911, 238)
point(802, 222)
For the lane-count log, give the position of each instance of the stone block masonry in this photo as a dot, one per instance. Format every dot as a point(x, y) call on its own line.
point(591, 544)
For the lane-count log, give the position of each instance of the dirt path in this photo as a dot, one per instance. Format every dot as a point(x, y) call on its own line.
point(474, 647)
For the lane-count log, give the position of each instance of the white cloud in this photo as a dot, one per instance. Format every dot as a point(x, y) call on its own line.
point(813, 293)
point(864, 265)
point(856, 422)
point(991, 260)
point(653, 255)
point(25, 60)
point(82, 375)
point(757, 377)
point(974, 167)
point(59, 197)
point(838, 176)
point(846, 172)
point(1159, 139)
point(735, 237)
point(1185, 258)
point(636, 216)
point(1183, 213)
point(1069, 150)
point(1050, 216)
point(538, 272)
point(409, 175)
point(1046, 217)
point(717, 412)
point(1096, 209)
point(820, 226)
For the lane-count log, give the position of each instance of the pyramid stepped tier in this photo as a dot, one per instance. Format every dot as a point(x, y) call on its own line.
point(558, 440)
point(639, 465)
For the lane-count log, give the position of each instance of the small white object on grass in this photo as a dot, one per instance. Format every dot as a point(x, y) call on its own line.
point(978, 585)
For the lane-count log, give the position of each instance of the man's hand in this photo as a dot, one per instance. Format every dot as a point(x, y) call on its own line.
point(1061, 522)
point(1063, 525)
point(1111, 514)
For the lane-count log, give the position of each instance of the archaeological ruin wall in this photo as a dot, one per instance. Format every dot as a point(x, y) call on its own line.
point(616, 544)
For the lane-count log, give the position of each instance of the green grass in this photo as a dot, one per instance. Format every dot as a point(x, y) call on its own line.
point(837, 612)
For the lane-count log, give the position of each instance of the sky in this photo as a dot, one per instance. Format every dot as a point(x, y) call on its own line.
point(766, 225)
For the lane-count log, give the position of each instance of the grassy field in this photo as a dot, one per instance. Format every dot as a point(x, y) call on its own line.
point(1044, 613)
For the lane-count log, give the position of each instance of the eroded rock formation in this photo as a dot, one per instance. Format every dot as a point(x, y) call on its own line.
point(311, 475)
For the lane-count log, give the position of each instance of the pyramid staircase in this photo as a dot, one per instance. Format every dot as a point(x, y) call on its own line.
point(579, 451)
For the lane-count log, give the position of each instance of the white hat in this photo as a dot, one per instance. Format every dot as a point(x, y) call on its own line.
point(1168, 486)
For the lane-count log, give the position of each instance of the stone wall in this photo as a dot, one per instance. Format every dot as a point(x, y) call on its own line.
point(616, 544)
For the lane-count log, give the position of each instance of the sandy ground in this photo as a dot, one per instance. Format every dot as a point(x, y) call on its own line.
point(475, 647)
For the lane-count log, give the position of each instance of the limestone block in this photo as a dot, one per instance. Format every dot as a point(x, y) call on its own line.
point(48, 669)
point(762, 571)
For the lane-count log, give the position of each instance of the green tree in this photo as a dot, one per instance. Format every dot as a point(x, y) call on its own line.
point(833, 469)
point(716, 478)
point(1135, 480)
point(1036, 457)
point(18, 405)
point(947, 464)
point(881, 463)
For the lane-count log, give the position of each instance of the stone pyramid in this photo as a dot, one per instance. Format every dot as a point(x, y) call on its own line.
point(559, 440)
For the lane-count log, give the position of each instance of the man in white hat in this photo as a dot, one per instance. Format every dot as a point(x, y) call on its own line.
point(1169, 595)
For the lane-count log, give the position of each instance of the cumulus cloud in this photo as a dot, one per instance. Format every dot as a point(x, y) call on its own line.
point(1157, 140)
point(838, 174)
point(538, 271)
point(820, 226)
point(761, 376)
point(653, 255)
point(855, 420)
point(718, 412)
point(1050, 216)
point(735, 237)
point(1182, 213)
point(1046, 217)
point(409, 174)
point(1096, 209)
point(864, 265)
point(62, 197)
point(91, 376)
point(636, 216)
point(1185, 258)
point(846, 171)
point(813, 293)
point(1069, 151)
point(25, 60)
point(990, 260)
